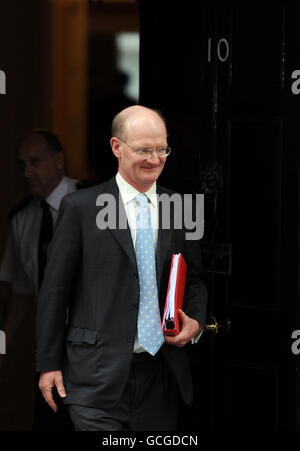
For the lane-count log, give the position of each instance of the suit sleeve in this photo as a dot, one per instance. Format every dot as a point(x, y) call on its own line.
point(64, 255)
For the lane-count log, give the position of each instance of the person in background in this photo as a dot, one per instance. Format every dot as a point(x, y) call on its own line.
point(41, 158)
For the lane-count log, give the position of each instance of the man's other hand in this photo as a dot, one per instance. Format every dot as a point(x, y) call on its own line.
point(48, 380)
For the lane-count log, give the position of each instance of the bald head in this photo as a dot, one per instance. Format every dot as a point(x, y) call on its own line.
point(132, 117)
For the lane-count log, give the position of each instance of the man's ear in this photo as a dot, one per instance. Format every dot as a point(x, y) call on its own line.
point(60, 160)
point(115, 147)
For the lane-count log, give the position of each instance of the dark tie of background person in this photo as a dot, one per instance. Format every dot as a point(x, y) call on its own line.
point(46, 233)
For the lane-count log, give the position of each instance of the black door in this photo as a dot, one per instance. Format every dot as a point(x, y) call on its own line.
point(225, 75)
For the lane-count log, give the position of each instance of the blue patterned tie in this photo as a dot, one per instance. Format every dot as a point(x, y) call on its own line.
point(150, 335)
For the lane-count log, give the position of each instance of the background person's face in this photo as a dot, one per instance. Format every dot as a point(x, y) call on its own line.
point(41, 169)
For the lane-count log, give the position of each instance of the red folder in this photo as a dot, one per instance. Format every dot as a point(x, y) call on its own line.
point(175, 294)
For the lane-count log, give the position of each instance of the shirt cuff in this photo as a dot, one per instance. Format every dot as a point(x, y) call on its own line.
point(196, 338)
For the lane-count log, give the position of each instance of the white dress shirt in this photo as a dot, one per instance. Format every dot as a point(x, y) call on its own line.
point(128, 194)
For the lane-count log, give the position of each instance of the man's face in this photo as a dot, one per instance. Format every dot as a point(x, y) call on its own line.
point(41, 169)
point(142, 134)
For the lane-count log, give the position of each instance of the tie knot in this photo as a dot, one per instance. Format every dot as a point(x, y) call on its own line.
point(142, 199)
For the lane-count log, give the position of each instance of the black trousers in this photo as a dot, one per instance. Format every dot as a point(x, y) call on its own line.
point(149, 402)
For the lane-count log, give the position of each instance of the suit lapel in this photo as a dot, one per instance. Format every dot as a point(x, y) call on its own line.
point(163, 240)
point(122, 235)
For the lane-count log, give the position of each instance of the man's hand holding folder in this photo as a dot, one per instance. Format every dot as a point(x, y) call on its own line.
point(177, 327)
point(189, 328)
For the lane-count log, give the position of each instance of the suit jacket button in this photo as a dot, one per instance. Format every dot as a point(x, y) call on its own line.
point(130, 339)
point(134, 306)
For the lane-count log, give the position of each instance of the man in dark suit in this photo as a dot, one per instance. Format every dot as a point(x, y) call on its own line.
point(91, 342)
point(41, 158)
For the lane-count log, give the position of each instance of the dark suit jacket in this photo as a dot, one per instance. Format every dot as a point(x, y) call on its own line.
point(91, 282)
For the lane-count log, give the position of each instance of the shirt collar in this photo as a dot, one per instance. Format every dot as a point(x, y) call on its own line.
point(128, 192)
point(57, 194)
